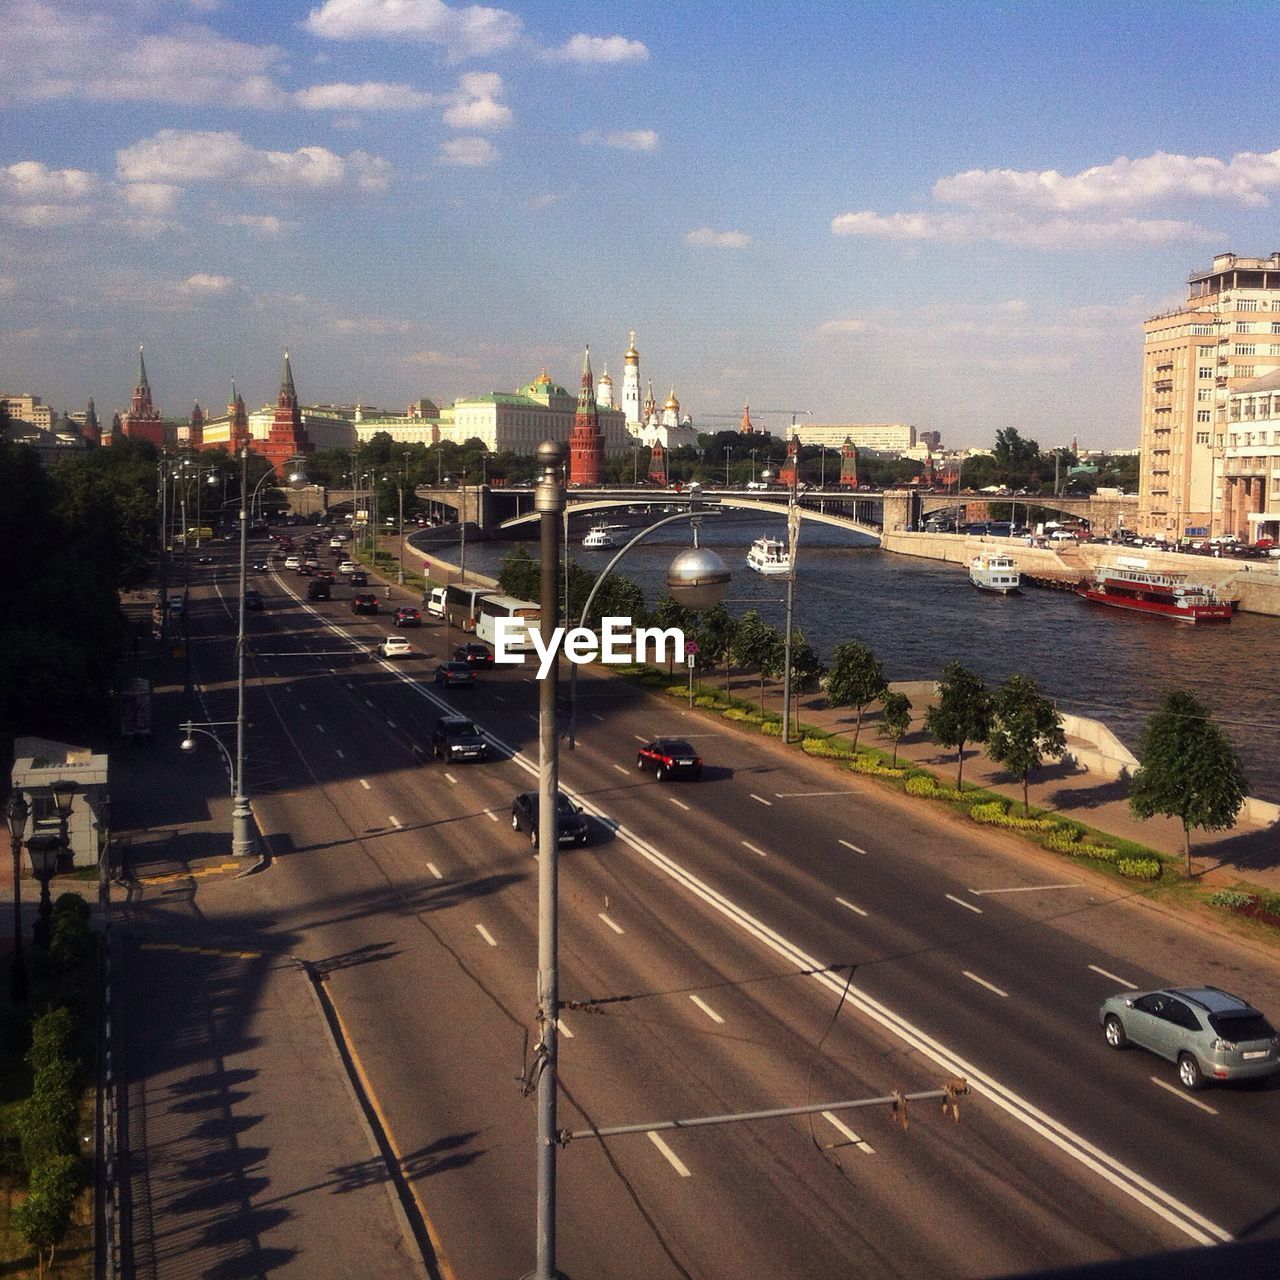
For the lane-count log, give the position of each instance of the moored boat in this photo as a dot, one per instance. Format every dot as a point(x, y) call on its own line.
point(1167, 595)
point(995, 572)
point(598, 538)
point(769, 556)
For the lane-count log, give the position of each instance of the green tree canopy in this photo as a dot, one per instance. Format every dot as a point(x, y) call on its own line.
point(895, 719)
point(1025, 728)
point(856, 680)
point(962, 713)
point(759, 647)
point(1187, 769)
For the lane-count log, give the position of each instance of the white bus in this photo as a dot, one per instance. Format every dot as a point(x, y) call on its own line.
point(462, 605)
point(519, 638)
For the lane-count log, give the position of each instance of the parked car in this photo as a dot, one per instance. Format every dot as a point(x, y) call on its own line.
point(474, 654)
point(1209, 1033)
point(395, 647)
point(319, 589)
point(408, 616)
point(669, 758)
point(455, 675)
point(364, 602)
point(253, 601)
point(571, 823)
point(457, 738)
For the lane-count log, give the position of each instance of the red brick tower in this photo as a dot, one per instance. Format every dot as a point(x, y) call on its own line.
point(848, 464)
point(288, 437)
point(238, 436)
point(195, 429)
point(586, 442)
point(748, 427)
point(143, 422)
point(657, 465)
point(92, 428)
point(789, 475)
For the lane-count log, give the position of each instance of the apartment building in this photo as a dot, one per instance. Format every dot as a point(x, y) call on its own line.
point(1251, 461)
point(1226, 336)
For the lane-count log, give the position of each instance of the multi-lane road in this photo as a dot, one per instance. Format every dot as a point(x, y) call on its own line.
point(775, 935)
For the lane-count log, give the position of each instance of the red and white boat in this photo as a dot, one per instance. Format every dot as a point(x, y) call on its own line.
point(1169, 595)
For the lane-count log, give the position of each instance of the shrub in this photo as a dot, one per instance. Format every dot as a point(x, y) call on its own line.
point(869, 764)
point(677, 691)
point(71, 943)
point(996, 813)
point(992, 811)
point(71, 903)
point(921, 784)
point(52, 1037)
point(737, 713)
point(1232, 898)
point(43, 1218)
point(771, 729)
point(1139, 868)
point(46, 1124)
point(827, 748)
point(707, 700)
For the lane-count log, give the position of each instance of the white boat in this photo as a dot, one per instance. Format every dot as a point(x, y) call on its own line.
point(769, 556)
point(599, 538)
point(994, 572)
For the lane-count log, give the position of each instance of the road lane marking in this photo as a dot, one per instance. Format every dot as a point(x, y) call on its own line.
point(638, 738)
point(854, 847)
point(302, 706)
point(841, 1127)
point(680, 804)
point(365, 784)
point(367, 703)
point(1026, 888)
point(672, 1159)
point(595, 716)
point(1133, 986)
point(800, 795)
point(620, 769)
point(435, 871)
point(486, 935)
point(844, 902)
point(706, 1008)
point(391, 724)
point(339, 754)
point(489, 813)
point(753, 849)
point(449, 777)
point(395, 822)
point(534, 719)
point(1182, 1093)
point(761, 800)
point(319, 728)
point(617, 928)
point(564, 1031)
point(960, 902)
point(982, 982)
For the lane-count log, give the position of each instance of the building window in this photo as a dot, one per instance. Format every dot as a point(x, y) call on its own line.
point(1204, 371)
point(1202, 437)
point(1202, 415)
point(1242, 371)
point(1204, 393)
point(1245, 349)
point(1247, 304)
point(1202, 329)
point(1243, 326)
point(1275, 326)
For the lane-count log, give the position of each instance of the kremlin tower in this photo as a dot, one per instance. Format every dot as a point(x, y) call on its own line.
point(849, 464)
point(790, 473)
point(288, 437)
point(195, 430)
point(143, 422)
point(586, 442)
point(748, 427)
point(238, 436)
point(631, 384)
point(92, 430)
point(657, 465)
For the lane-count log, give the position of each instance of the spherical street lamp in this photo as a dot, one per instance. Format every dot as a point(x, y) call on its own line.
point(698, 578)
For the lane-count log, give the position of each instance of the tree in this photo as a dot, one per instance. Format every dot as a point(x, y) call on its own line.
point(758, 645)
point(856, 680)
point(962, 713)
point(713, 633)
point(1025, 727)
point(895, 719)
point(1187, 769)
point(43, 1217)
point(519, 575)
point(668, 613)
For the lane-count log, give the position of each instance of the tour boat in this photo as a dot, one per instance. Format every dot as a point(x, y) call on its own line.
point(769, 556)
point(1168, 595)
point(598, 538)
point(995, 572)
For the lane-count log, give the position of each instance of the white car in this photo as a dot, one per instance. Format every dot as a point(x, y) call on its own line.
point(336, 542)
point(395, 647)
point(293, 562)
point(348, 566)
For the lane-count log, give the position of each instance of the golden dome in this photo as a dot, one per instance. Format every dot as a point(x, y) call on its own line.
point(672, 402)
point(605, 378)
point(542, 380)
point(632, 356)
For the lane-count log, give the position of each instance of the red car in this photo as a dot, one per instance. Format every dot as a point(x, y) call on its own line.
point(669, 758)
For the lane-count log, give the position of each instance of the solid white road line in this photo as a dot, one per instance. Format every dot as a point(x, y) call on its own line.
point(761, 800)
point(1133, 986)
point(753, 849)
point(489, 813)
point(982, 982)
point(854, 847)
point(674, 1160)
point(1182, 1093)
point(842, 1128)
point(617, 928)
point(450, 778)
point(564, 1031)
point(486, 935)
point(365, 784)
point(395, 822)
point(435, 871)
point(620, 769)
point(960, 902)
point(856, 910)
point(1026, 888)
point(800, 795)
point(680, 804)
point(706, 1008)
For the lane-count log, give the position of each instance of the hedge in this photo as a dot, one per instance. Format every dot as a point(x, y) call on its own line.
point(866, 763)
point(924, 784)
point(996, 813)
point(827, 748)
point(1139, 868)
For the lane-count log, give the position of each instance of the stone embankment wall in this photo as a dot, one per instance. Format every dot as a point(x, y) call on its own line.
point(1255, 583)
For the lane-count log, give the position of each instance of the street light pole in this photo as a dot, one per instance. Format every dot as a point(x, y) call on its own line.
point(16, 815)
point(728, 451)
point(793, 548)
point(241, 814)
point(400, 572)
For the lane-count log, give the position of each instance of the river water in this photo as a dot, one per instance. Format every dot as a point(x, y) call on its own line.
point(917, 615)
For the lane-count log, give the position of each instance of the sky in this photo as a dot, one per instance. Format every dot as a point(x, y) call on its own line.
point(953, 215)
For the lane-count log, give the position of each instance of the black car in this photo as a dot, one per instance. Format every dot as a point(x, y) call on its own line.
point(319, 589)
point(455, 675)
point(253, 601)
point(358, 578)
point(571, 823)
point(473, 654)
point(363, 602)
point(457, 738)
point(669, 758)
point(408, 616)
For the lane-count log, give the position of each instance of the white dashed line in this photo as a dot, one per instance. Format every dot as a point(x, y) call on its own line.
point(486, 935)
point(753, 849)
point(1133, 986)
point(761, 800)
point(1180, 1093)
point(960, 902)
point(674, 1160)
point(364, 783)
point(982, 982)
point(1025, 888)
point(450, 778)
point(367, 703)
point(339, 754)
point(489, 813)
point(842, 1128)
point(706, 1008)
point(594, 716)
point(435, 871)
point(319, 728)
point(534, 719)
point(620, 769)
point(617, 928)
point(680, 804)
point(395, 822)
point(302, 706)
point(844, 902)
point(391, 724)
point(854, 847)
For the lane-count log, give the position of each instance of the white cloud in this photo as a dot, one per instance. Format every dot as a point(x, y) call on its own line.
point(624, 140)
point(186, 156)
point(468, 152)
point(472, 31)
point(842, 328)
point(476, 104)
point(151, 197)
point(263, 224)
point(33, 195)
point(706, 238)
point(536, 204)
point(204, 283)
point(608, 50)
point(370, 96)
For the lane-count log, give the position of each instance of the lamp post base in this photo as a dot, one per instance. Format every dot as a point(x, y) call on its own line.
point(242, 841)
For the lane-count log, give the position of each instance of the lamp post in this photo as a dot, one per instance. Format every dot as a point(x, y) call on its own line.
point(728, 452)
point(404, 467)
point(16, 816)
point(43, 848)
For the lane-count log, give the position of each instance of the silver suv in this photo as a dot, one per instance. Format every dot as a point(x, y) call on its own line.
point(1210, 1035)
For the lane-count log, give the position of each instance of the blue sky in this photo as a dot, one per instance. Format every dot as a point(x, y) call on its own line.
point(952, 215)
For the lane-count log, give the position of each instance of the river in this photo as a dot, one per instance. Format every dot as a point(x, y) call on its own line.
point(917, 615)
